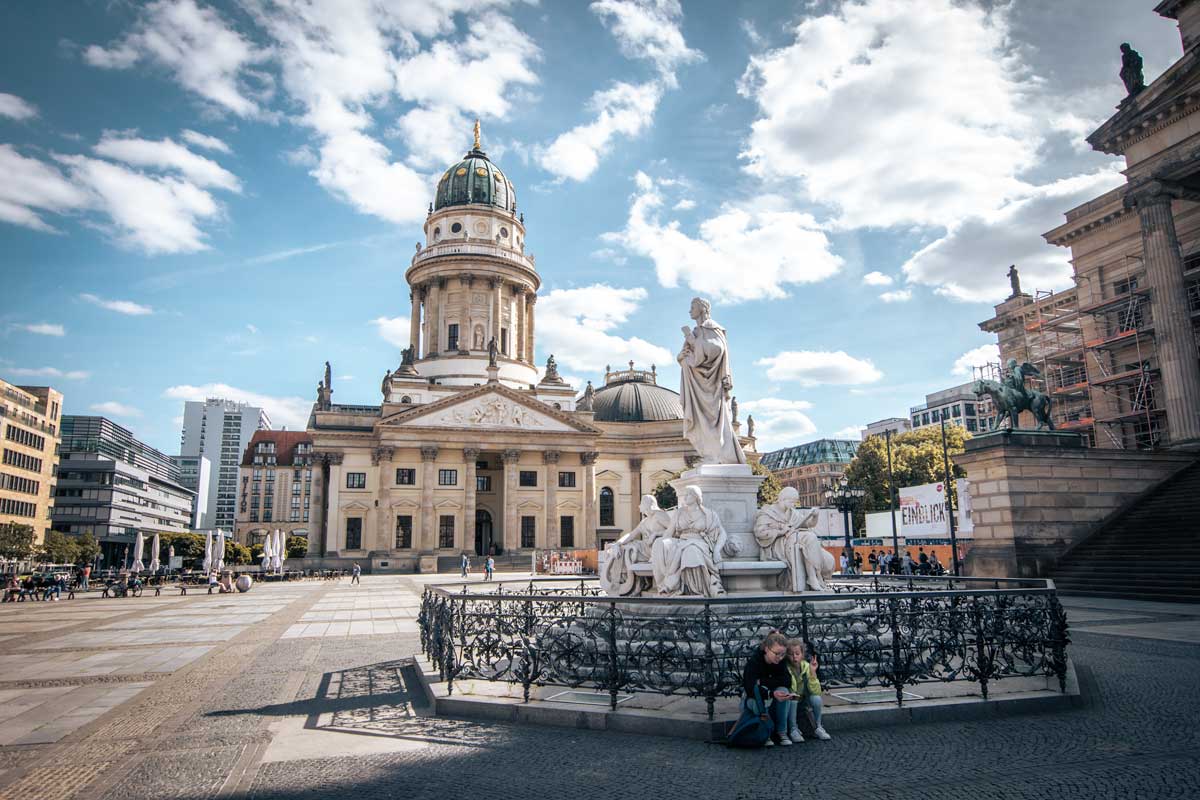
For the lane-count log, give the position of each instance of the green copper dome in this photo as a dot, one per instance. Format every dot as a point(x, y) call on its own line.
point(475, 179)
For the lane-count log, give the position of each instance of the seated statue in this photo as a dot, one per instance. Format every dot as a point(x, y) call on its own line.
point(783, 532)
point(687, 557)
point(616, 570)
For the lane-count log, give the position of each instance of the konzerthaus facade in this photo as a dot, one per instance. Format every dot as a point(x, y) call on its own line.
point(470, 450)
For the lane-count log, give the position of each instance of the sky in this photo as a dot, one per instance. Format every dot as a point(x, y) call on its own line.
point(214, 198)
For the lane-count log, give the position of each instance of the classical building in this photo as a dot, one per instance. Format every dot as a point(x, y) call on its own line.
point(958, 405)
point(30, 418)
point(219, 430)
point(470, 450)
point(278, 487)
point(812, 466)
point(1136, 256)
point(114, 486)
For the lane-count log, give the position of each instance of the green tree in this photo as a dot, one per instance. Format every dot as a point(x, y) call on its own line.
point(916, 459)
point(86, 549)
point(188, 546)
point(58, 548)
point(16, 541)
point(256, 551)
point(296, 547)
point(237, 553)
point(768, 490)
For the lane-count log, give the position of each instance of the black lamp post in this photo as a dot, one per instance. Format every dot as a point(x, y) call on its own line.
point(893, 496)
point(949, 502)
point(844, 499)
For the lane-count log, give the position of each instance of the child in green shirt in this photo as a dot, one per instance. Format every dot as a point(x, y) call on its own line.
point(806, 688)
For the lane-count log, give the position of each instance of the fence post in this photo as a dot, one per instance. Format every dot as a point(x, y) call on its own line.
point(614, 678)
point(448, 647)
point(710, 661)
point(527, 654)
point(1059, 638)
point(898, 672)
point(982, 659)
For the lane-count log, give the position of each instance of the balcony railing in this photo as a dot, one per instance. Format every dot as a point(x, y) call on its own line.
point(477, 249)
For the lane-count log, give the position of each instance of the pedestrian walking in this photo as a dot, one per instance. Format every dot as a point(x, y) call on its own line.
point(83, 579)
point(873, 560)
point(466, 565)
point(355, 573)
point(489, 568)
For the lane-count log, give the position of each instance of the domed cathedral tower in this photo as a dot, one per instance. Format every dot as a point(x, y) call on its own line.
point(472, 283)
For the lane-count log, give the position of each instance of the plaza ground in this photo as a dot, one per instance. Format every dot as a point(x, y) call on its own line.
point(301, 690)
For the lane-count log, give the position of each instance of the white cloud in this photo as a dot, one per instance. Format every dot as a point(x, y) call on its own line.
point(745, 252)
point(49, 372)
point(252, 328)
point(120, 306)
point(624, 109)
point(877, 279)
point(166, 154)
point(44, 328)
point(206, 56)
point(394, 330)
point(777, 422)
point(289, 412)
point(31, 186)
point(114, 409)
point(897, 296)
point(928, 101)
point(952, 263)
point(205, 141)
point(575, 326)
point(849, 432)
point(977, 357)
point(649, 30)
point(814, 368)
point(14, 107)
point(434, 136)
point(686, 204)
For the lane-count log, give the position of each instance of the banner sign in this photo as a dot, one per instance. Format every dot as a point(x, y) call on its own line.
point(923, 510)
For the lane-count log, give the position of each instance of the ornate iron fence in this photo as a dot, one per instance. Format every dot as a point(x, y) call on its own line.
point(886, 632)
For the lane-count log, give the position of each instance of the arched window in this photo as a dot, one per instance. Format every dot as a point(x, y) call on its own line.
point(608, 511)
point(405, 400)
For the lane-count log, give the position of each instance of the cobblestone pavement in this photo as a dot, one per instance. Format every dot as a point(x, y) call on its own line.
point(278, 706)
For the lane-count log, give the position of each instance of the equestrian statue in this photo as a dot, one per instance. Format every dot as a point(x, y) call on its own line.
point(1011, 396)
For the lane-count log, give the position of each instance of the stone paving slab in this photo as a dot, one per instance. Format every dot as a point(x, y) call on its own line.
point(30, 667)
point(47, 715)
point(114, 636)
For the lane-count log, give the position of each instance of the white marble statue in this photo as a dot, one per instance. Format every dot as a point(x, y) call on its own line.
point(687, 557)
point(784, 534)
point(705, 385)
point(635, 547)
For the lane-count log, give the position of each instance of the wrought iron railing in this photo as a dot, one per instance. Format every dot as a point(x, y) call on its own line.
point(886, 632)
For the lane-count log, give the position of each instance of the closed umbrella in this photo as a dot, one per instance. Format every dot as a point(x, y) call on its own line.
point(266, 556)
point(282, 549)
point(219, 551)
point(154, 562)
point(138, 544)
point(208, 552)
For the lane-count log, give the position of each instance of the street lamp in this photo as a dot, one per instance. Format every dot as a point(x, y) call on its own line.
point(844, 499)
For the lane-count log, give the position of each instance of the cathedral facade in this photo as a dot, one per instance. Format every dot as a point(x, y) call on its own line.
point(470, 449)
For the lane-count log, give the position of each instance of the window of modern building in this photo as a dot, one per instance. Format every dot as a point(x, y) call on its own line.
point(969, 408)
point(608, 511)
point(452, 336)
point(356, 480)
point(528, 532)
point(403, 531)
point(406, 476)
point(527, 477)
point(447, 477)
point(956, 411)
point(446, 531)
point(21, 436)
point(483, 483)
point(970, 424)
point(354, 533)
point(566, 530)
point(22, 461)
point(566, 480)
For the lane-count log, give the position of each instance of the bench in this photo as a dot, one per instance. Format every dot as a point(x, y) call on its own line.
point(736, 575)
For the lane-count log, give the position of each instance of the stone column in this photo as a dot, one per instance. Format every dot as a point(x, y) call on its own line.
point(498, 305)
point(512, 527)
point(334, 519)
point(635, 488)
point(519, 347)
point(428, 542)
point(471, 455)
point(1176, 342)
point(551, 539)
point(590, 520)
point(385, 538)
point(443, 344)
point(529, 328)
point(432, 321)
point(414, 323)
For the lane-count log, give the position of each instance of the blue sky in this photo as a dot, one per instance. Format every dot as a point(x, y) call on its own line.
point(214, 198)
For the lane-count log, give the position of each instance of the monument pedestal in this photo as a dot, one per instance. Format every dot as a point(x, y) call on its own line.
point(1034, 494)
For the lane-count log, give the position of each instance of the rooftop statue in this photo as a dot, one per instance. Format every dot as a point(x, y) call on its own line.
point(705, 387)
point(1131, 70)
point(1014, 280)
point(1011, 396)
point(588, 401)
point(493, 351)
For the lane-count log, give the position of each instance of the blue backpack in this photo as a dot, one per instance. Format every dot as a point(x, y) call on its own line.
point(751, 730)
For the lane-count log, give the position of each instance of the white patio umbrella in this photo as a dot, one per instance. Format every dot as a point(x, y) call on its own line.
point(154, 562)
point(138, 545)
point(274, 549)
point(266, 556)
point(219, 551)
point(208, 562)
point(282, 549)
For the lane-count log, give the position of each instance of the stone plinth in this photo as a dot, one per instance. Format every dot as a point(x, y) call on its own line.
point(731, 490)
point(1034, 494)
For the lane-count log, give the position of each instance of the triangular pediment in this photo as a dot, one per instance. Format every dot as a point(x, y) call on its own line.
point(490, 407)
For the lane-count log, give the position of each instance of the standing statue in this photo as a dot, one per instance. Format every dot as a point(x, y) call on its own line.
point(705, 385)
point(1014, 280)
point(386, 387)
point(635, 547)
point(687, 557)
point(493, 351)
point(733, 409)
point(750, 426)
point(1012, 397)
point(407, 356)
point(588, 401)
point(1131, 70)
point(551, 370)
point(325, 390)
point(784, 534)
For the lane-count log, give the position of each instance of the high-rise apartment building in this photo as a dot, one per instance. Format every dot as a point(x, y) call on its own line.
point(29, 416)
point(220, 430)
point(195, 472)
point(113, 486)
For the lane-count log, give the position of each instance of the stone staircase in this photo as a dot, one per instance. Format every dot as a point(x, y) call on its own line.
point(1149, 551)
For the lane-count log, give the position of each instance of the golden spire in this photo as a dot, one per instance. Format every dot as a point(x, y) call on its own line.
point(477, 134)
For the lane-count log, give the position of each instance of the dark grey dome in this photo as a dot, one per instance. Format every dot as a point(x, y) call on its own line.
point(634, 396)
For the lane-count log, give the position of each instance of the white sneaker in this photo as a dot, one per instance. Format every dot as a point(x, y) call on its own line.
point(796, 736)
point(769, 743)
point(822, 735)
point(784, 740)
